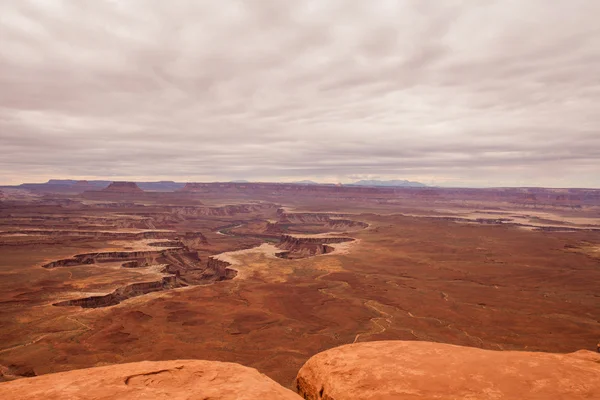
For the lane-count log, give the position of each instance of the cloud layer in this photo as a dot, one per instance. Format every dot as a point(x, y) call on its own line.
point(477, 93)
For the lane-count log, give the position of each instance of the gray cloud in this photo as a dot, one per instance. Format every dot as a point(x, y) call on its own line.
point(501, 92)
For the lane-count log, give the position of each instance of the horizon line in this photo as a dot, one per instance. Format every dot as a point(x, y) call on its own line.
point(300, 182)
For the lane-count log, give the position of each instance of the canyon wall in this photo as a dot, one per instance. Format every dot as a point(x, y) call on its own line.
point(221, 269)
point(302, 247)
point(124, 293)
point(111, 256)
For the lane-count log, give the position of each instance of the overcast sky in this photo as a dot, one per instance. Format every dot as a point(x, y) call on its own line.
point(470, 93)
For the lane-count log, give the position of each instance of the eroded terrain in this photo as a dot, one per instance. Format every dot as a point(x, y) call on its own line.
point(268, 276)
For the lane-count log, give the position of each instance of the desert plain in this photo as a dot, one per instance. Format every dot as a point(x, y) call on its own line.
point(268, 275)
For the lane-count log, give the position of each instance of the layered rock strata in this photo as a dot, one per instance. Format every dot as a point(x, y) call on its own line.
point(302, 247)
point(124, 293)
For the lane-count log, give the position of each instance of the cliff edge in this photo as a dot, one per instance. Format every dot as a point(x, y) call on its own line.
point(173, 380)
point(422, 370)
point(387, 370)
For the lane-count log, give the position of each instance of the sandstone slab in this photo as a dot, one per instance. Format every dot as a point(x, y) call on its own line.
point(173, 380)
point(422, 370)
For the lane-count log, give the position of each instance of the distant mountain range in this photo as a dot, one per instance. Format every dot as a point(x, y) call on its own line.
point(71, 185)
point(392, 183)
point(75, 186)
point(304, 182)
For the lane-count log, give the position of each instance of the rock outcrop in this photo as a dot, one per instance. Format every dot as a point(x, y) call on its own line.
point(364, 371)
point(422, 370)
point(337, 222)
point(220, 269)
point(172, 380)
point(149, 256)
point(302, 247)
point(124, 293)
point(123, 187)
point(183, 266)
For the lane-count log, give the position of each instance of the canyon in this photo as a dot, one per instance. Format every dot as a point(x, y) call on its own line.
point(269, 275)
